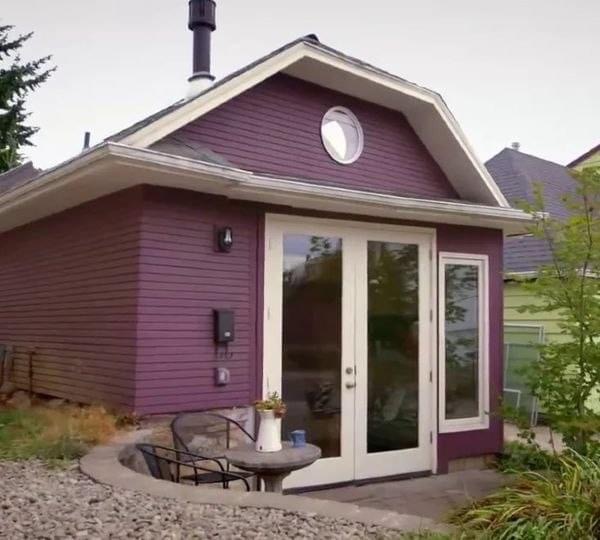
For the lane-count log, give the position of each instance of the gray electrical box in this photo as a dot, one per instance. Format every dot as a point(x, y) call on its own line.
point(222, 376)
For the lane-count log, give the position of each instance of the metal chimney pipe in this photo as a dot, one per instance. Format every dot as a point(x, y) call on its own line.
point(202, 22)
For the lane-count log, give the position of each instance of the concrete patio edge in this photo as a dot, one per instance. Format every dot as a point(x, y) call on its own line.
point(102, 465)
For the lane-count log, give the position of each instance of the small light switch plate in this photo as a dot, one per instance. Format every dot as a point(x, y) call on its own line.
point(222, 376)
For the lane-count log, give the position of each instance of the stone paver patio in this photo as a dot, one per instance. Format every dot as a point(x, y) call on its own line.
point(432, 497)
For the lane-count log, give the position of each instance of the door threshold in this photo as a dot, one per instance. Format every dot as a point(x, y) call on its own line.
point(359, 482)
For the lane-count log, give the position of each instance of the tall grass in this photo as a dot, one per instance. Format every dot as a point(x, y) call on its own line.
point(554, 505)
point(53, 434)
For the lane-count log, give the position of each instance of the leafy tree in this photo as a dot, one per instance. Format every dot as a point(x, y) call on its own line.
point(568, 373)
point(17, 80)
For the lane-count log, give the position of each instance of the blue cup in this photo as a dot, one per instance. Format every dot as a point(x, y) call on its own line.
point(298, 437)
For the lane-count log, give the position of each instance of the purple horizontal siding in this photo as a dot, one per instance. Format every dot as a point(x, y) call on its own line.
point(182, 279)
point(176, 354)
point(68, 291)
point(119, 310)
point(275, 128)
point(485, 441)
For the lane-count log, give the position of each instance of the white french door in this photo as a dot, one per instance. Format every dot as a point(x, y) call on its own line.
point(348, 342)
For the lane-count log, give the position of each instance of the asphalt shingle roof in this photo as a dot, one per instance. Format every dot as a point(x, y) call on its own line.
point(516, 174)
point(18, 176)
point(310, 38)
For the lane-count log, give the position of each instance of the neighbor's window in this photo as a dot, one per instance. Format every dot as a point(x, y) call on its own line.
point(463, 342)
point(342, 135)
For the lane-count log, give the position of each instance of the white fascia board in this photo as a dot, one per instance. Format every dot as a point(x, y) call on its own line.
point(418, 92)
point(203, 104)
point(213, 98)
point(82, 179)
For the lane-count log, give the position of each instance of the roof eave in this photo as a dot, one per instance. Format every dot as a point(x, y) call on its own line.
point(112, 167)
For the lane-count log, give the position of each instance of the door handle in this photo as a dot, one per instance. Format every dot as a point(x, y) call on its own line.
point(350, 384)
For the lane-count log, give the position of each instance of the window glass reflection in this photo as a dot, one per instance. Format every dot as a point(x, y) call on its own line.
point(393, 347)
point(312, 333)
point(462, 341)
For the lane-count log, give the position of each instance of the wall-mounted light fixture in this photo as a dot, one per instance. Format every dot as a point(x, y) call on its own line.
point(225, 239)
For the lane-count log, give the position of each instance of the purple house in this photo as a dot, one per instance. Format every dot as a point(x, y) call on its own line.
point(311, 225)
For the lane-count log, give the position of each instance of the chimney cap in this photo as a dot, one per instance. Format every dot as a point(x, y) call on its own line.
point(202, 23)
point(202, 13)
point(515, 145)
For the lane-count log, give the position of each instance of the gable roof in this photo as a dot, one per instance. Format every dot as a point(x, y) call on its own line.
point(516, 174)
point(126, 159)
point(309, 60)
point(583, 157)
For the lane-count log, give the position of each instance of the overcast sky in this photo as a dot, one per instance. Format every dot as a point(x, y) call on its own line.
point(510, 70)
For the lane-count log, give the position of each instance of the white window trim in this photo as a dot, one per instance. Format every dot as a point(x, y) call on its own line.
point(359, 130)
point(482, 421)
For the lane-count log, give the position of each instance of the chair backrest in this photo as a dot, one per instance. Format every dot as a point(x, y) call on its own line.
point(158, 465)
point(207, 433)
point(3, 355)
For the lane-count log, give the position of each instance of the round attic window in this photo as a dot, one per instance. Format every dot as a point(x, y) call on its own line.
point(342, 135)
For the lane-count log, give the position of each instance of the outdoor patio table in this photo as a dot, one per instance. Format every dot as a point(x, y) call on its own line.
point(273, 467)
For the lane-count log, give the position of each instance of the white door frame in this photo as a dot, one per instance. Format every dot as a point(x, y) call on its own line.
point(328, 470)
point(354, 234)
point(397, 462)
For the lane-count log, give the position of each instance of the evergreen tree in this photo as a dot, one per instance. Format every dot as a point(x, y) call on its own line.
point(17, 79)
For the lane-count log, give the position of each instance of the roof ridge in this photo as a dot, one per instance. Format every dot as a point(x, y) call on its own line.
point(513, 151)
point(115, 137)
point(310, 39)
point(9, 172)
point(512, 157)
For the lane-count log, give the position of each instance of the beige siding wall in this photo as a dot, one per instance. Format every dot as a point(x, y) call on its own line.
point(515, 296)
point(592, 161)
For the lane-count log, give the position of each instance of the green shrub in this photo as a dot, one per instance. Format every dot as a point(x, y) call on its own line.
point(554, 505)
point(519, 457)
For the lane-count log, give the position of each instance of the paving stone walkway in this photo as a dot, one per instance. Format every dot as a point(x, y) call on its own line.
point(432, 497)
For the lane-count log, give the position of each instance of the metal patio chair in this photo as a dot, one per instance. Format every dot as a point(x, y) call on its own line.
point(166, 464)
point(208, 434)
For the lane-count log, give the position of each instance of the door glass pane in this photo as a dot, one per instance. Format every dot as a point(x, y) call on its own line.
point(393, 346)
point(312, 336)
point(462, 341)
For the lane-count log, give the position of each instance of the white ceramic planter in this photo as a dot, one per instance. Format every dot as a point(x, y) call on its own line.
point(269, 432)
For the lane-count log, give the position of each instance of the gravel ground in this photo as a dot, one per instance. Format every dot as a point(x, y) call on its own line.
point(37, 502)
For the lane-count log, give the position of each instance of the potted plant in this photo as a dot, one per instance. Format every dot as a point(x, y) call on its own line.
point(270, 410)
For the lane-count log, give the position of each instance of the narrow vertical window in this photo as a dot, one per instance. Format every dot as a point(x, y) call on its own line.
point(463, 342)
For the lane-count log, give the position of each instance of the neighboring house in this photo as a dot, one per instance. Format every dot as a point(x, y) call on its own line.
point(18, 176)
point(591, 158)
point(517, 174)
point(313, 199)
